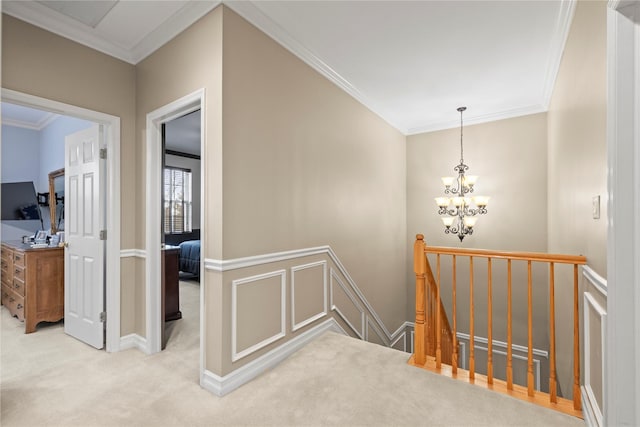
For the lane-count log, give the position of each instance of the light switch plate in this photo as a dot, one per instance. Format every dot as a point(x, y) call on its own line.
point(595, 209)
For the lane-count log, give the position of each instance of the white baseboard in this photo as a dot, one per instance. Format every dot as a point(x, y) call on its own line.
point(133, 341)
point(223, 385)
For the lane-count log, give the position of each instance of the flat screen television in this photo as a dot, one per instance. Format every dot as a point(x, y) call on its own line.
point(19, 201)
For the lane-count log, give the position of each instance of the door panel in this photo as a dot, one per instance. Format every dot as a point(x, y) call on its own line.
point(84, 255)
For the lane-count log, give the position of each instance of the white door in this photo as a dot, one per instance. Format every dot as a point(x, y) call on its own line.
point(84, 253)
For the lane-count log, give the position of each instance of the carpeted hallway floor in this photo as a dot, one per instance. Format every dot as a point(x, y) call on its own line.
point(48, 378)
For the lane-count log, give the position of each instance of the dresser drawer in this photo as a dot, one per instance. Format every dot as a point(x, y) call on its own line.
point(6, 266)
point(18, 273)
point(18, 286)
point(13, 302)
point(18, 259)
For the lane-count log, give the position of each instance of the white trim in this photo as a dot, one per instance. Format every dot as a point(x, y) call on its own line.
point(377, 331)
point(41, 124)
point(599, 282)
point(623, 226)
point(250, 261)
point(252, 12)
point(560, 35)
point(235, 354)
point(295, 326)
point(402, 336)
point(462, 360)
point(133, 341)
point(475, 120)
point(360, 333)
point(222, 385)
point(589, 301)
point(184, 105)
point(111, 126)
point(62, 25)
point(233, 264)
point(133, 253)
point(502, 344)
point(587, 409)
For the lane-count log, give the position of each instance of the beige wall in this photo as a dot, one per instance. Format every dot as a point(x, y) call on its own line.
point(306, 165)
point(510, 158)
point(189, 62)
point(577, 157)
point(40, 63)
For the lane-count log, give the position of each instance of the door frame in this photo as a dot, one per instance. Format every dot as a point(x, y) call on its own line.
point(622, 385)
point(111, 128)
point(155, 119)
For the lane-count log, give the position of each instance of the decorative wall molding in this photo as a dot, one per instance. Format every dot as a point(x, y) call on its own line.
point(463, 360)
point(590, 304)
point(596, 280)
point(372, 326)
point(403, 337)
point(235, 354)
point(41, 124)
point(133, 253)
point(295, 326)
point(502, 344)
point(359, 332)
point(233, 264)
point(222, 385)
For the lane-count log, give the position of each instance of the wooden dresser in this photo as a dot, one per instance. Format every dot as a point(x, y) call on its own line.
point(33, 283)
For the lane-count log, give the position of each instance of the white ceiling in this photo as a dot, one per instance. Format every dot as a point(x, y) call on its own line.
point(411, 62)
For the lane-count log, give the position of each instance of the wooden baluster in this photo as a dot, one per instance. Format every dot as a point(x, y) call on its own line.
point(576, 342)
point(454, 358)
point(552, 336)
point(489, 326)
point(419, 268)
point(509, 323)
point(472, 362)
point(438, 329)
point(530, 331)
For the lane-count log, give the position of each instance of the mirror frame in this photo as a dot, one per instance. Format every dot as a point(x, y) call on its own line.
point(52, 198)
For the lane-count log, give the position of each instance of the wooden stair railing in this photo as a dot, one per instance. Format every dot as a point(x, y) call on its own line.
point(439, 351)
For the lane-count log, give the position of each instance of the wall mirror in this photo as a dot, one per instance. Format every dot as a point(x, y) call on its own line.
point(56, 200)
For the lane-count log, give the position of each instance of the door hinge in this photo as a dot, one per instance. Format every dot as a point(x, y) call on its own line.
point(103, 153)
point(103, 234)
point(103, 316)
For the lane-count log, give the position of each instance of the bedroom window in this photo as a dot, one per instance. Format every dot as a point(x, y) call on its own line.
point(177, 200)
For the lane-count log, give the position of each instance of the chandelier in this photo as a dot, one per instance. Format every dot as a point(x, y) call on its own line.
point(459, 210)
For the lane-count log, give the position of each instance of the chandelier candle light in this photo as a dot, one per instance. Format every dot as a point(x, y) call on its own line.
point(459, 213)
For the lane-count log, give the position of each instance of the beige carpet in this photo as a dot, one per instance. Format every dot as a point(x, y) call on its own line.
point(48, 378)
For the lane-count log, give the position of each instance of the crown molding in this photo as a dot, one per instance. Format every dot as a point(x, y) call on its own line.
point(43, 123)
point(251, 11)
point(64, 26)
point(475, 120)
point(173, 26)
point(558, 42)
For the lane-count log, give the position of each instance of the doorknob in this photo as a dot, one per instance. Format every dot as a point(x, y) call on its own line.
point(66, 244)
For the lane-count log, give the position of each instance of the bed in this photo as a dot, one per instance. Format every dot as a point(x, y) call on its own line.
point(189, 257)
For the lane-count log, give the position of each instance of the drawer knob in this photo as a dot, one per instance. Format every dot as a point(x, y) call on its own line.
point(19, 306)
point(11, 299)
point(16, 285)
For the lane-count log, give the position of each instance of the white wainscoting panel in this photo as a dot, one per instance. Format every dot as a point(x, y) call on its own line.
point(235, 354)
point(297, 325)
point(592, 404)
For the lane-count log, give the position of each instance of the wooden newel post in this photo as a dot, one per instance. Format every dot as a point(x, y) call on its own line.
point(419, 267)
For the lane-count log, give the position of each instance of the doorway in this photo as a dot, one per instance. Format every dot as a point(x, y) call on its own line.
point(154, 179)
point(180, 234)
point(110, 127)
